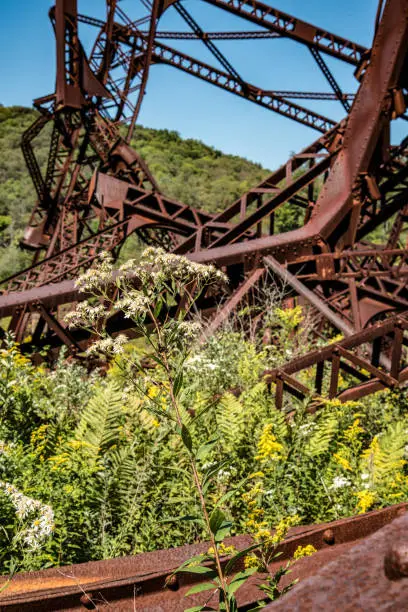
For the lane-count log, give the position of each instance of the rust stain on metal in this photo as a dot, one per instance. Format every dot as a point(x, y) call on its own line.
point(371, 576)
point(143, 579)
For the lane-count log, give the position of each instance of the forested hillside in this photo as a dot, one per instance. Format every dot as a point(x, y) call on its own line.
point(187, 170)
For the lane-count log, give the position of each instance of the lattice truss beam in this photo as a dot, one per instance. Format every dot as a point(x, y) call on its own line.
point(97, 190)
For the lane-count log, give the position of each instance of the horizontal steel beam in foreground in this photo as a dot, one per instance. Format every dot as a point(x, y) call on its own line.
point(138, 583)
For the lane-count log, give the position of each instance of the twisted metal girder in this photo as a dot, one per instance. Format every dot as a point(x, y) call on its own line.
point(239, 236)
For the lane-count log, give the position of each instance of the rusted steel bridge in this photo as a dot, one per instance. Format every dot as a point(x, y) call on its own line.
point(96, 189)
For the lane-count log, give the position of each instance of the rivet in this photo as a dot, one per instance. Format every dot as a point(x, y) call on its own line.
point(396, 561)
point(87, 601)
point(172, 583)
point(329, 537)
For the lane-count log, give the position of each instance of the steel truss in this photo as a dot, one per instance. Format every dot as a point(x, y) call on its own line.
point(96, 190)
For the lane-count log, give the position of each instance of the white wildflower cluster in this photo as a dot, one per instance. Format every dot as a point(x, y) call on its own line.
point(208, 466)
point(307, 429)
point(199, 363)
point(181, 333)
point(85, 315)
point(134, 305)
point(225, 475)
point(28, 508)
point(339, 482)
point(100, 277)
point(131, 265)
point(189, 330)
point(160, 267)
point(108, 346)
point(365, 477)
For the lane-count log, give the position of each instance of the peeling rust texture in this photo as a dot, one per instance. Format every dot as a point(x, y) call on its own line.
point(372, 576)
point(140, 581)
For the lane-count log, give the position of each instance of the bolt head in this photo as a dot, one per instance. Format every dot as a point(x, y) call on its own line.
point(396, 561)
point(329, 537)
point(87, 601)
point(172, 583)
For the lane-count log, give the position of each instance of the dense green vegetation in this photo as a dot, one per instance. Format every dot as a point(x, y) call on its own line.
point(116, 476)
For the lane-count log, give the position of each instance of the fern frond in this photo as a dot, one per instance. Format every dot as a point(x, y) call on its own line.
point(148, 421)
point(259, 407)
point(279, 422)
point(319, 440)
point(230, 421)
point(125, 476)
point(385, 455)
point(101, 419)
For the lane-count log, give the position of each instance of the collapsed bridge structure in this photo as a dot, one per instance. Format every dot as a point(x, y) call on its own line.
point(96, 189)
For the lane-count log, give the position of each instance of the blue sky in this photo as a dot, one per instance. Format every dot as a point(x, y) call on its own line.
point(180, 102)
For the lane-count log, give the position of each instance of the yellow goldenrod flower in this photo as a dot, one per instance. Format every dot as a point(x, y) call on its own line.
point(351, 434)
point(251, 561)
point(226, 550)
point(256, 475)
point(343, 462)
point(283, 527)
point(262, 534)
point(336, 338)
point(222, 549)
point(304, 551)
point(268, 446)
point(365, 500)
point(153, 392)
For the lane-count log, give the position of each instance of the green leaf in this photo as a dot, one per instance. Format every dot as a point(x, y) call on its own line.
point(185, 436)
point(179, 519)
point(205, 448)
point(198, 569)
point(226, 497)
point(205, 409)
point(196, 559)
point(217, 518)
point(239, 579)
point(178, 383)
point(231, 493)
point(242, 553)
point(199, 609)
point(233, 606)
point(157, 308)
point(157, 360)
point(158, 411)
point(178, 500)
point(223, 531)
point(203, 586)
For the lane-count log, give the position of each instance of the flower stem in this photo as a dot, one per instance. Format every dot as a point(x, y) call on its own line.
point(200, 493)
